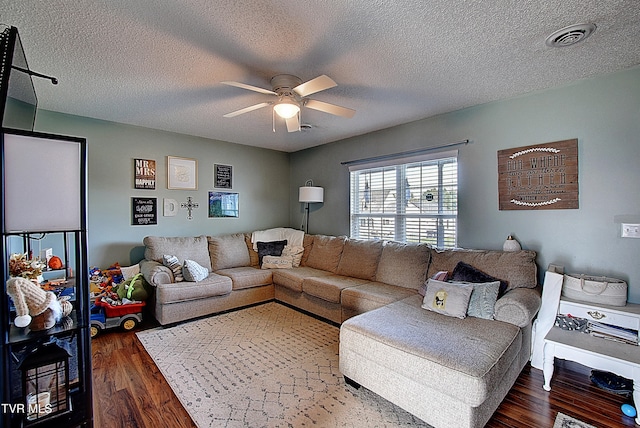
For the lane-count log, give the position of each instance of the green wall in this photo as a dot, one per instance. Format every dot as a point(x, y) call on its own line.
point(602, 113)
point(260, 177)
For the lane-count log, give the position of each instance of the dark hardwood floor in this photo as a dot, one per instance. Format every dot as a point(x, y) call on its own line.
point(129, 391)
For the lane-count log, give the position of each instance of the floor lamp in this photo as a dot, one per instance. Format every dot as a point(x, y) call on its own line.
point(310, 194)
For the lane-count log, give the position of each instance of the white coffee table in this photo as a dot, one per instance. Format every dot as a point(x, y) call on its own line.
point(597, 353)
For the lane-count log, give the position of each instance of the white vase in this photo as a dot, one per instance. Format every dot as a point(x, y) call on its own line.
point(511, 244)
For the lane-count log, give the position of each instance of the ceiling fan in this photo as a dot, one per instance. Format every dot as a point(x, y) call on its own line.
point(292, 96)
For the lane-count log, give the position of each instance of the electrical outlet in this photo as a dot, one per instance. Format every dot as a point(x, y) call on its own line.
point(630, 230)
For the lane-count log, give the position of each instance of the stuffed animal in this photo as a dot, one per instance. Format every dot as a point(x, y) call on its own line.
point(136, 288)
point(36, 308)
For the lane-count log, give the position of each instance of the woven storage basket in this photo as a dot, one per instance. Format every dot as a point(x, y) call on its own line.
point(595, 289)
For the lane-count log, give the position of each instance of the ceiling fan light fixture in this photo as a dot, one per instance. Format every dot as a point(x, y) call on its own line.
point(286, 109)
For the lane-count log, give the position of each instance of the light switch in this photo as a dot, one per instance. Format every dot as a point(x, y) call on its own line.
point(630, 230)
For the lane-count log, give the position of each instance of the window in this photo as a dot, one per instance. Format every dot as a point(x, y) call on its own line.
point(412, 201)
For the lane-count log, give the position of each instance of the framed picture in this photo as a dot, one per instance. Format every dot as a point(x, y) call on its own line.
point(144, 174)
point(144, 211)
point(223, 176)
point(182, 173)
point(223, 204)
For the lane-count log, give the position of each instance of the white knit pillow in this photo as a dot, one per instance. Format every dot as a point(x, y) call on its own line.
point(192, 271)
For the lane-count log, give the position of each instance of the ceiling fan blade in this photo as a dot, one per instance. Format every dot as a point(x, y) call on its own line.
point(293, 124)
point(318, 84)
point(249, 87)
point(246, 110)
point(330, 108)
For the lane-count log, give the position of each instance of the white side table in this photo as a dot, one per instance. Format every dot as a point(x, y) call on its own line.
point(597, 353)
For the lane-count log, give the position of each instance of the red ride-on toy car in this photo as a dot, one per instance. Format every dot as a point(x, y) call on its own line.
point(105, 316)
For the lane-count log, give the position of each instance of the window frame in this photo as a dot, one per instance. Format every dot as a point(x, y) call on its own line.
point(446, 234)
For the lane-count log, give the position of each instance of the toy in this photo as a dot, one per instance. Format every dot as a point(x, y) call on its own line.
point(36, 308)
point(105, 316)
point(136, 288)
point(628, 410)
point(55, 263)
point(113, 274)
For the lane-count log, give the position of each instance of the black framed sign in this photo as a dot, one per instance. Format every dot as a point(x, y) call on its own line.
point(144, 211)
point(222, 176)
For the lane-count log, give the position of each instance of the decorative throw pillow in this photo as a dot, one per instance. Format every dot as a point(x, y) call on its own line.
point(272, 248)
point(447, 298)
point(295, 253)
point(129, 272)
point(443, 275)
point(277, 262)
point(192, 271)
point(483, 300)
point(173, 263)
point(467, 273)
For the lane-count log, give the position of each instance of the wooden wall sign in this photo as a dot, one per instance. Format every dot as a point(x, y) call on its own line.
point(539, 177)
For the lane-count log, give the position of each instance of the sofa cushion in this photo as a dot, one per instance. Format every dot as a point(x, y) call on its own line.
point(325, 252)
point(307, 244)
point(329, 287)
point(360, 258)
point(292, 278)
point(426, 347)
point(193, 248)
point(483, 300)
point(228, 251)
point(213, 285)
point(404, 265)
point(192, 271)
point(247, 276)
point(447, 298)
point(518, 268)
point(372, 295)
point(253, 254)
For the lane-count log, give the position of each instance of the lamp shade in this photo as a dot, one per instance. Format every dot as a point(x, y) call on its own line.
point(311, 194)
point(43, 183)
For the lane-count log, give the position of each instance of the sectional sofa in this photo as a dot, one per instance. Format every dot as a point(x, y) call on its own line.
point(447, 370)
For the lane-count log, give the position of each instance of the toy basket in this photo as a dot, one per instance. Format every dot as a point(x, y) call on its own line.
point(118, 311)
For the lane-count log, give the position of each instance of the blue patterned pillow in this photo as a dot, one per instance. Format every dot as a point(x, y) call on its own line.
point(192, 271)
point(483, 300)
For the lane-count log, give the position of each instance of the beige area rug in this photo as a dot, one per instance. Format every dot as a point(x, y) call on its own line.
point(565, 421)
point(265, 366)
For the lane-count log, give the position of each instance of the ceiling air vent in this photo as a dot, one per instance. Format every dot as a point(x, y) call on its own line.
point(570, 35)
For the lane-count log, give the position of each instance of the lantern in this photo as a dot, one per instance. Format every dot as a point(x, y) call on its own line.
point(45, 382)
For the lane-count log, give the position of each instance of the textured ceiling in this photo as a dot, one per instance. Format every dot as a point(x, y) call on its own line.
point(159, 64)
